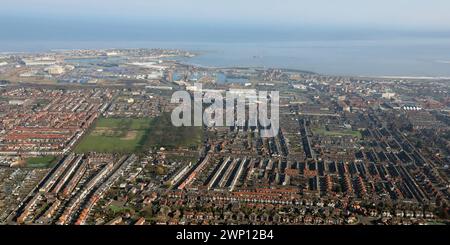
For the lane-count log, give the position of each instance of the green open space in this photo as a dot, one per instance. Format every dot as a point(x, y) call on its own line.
point(163, 134)
point(337, 133)
point(40, 162)
point(119, 209)
point(127, 135)
point(115, 135)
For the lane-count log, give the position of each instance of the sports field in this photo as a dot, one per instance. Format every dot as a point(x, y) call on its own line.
point(337, 133)
point(115, 135)
point(126, 135)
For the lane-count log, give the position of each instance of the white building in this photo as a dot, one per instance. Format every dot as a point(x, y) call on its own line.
point(55, 70)
point(388, 95)
point(39, 61)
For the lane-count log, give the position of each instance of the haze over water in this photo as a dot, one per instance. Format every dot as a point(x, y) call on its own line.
point(349, 37)
point(429, 58)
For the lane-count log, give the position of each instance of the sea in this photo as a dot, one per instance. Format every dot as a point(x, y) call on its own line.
point(393, 57)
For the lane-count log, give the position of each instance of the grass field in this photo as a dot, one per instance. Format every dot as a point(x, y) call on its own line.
point(337, 133)
point(40, 162)
point(125, 135)
point(119, 209)
point(164, 134)
point(115, 135)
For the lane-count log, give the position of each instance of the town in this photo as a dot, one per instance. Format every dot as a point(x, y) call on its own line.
point(86, 137)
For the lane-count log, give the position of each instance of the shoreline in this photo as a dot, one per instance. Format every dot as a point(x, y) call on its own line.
point(186, 62)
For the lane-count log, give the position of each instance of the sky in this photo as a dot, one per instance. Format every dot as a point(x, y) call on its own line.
point(24, 18)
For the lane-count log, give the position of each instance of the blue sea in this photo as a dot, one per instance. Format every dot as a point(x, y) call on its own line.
point(380, 57)
point(326, 50)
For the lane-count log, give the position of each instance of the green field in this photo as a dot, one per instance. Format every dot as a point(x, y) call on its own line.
point(40, 162)
point(115, 135)
point(337, 133)
point(119, 209)
point(163, 134)
point(125, 135)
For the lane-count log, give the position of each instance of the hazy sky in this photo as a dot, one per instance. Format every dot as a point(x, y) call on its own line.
point(380, 14)
point(222, 21)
